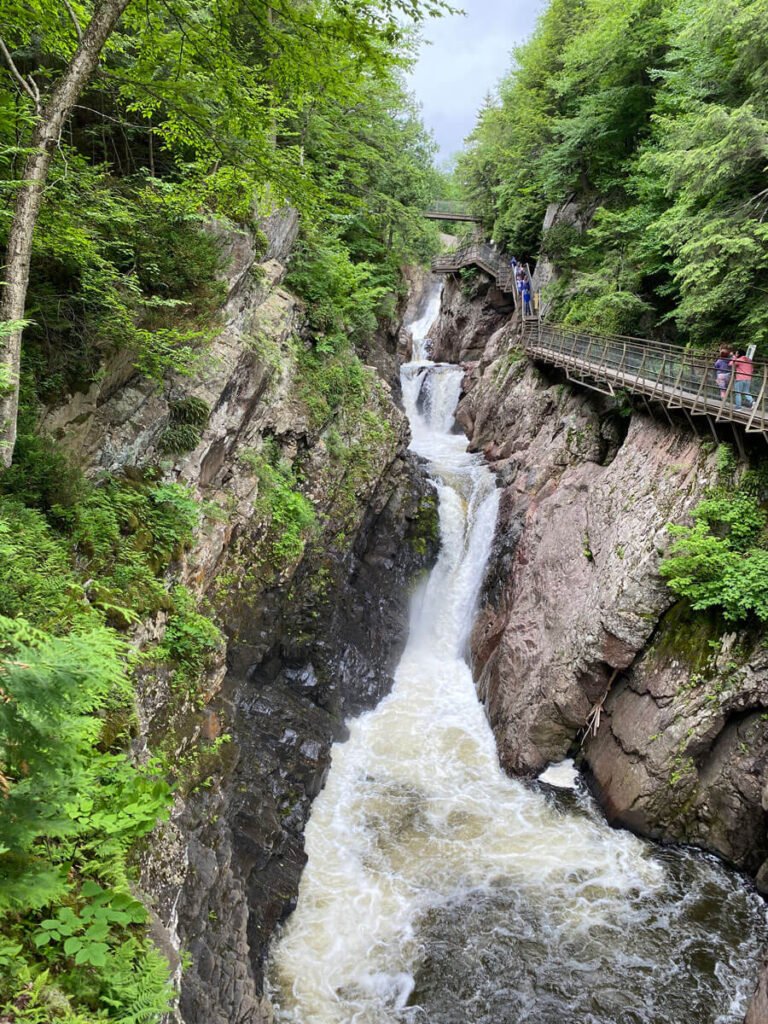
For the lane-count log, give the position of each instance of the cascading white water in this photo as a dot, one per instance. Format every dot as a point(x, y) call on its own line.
point(439, 890)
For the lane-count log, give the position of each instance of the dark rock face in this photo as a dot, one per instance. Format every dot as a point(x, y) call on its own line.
point(465, 325)
point(287, 692)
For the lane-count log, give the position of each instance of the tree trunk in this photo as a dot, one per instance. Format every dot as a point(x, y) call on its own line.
point(44, 140)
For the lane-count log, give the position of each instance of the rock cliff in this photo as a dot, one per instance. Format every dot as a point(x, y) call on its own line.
point(577, 626)
point(313, 629)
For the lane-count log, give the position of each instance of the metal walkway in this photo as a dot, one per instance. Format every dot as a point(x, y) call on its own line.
point(675, 377)
point(483, 255)
point(678, 378)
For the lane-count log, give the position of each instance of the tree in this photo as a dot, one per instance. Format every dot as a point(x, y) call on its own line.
point(51, 116)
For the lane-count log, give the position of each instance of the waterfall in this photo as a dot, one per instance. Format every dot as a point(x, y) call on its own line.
point(439, 890)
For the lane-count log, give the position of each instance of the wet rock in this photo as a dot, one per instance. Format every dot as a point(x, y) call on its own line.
point(283, 712)
point(463, 328)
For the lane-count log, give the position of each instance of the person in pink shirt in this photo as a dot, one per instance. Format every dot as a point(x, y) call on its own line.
point(742, 369)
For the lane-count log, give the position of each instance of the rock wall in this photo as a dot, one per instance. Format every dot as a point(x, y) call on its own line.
point(310, 638)
point(576, 619)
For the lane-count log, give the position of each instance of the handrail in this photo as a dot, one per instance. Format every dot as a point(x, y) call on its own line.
point(449, 209)
point(677, 377)
point(447, 206)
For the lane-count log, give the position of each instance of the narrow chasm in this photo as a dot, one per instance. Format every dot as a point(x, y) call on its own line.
point(438, 888)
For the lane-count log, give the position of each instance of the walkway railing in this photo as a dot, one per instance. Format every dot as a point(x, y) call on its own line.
point(676, 377)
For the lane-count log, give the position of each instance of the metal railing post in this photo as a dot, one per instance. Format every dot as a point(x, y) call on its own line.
point(759, 403)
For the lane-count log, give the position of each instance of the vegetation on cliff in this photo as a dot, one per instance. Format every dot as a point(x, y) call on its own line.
point(652, 119)
point(196, 114)
point(721, 561)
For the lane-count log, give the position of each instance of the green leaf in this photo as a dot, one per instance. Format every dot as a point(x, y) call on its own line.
point(96, 932)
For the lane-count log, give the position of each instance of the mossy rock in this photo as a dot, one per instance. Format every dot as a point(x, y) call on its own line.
point(689, 636)
point(424, 528)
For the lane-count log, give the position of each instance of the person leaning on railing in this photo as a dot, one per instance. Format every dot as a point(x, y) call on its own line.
point(743, 369)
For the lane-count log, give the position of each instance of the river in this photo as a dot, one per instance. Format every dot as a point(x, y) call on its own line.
point(439, 890)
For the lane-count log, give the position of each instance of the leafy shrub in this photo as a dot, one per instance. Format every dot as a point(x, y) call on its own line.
point(291, 516)
point(617, 312)
point(722, 560)
point(189, 637)
point(71, 812)
point(328, 383)
point(118, 539)
point(344, 299)
point(41, 476)
point(123, 265)
point(36, 575)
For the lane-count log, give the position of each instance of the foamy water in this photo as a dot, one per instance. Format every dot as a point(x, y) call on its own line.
point(439, 890)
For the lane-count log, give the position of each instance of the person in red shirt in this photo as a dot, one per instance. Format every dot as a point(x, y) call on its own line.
point(742, 369)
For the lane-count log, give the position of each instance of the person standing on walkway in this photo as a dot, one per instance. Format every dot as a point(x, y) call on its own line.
point(743, 369)
point(723, 370)
point(526, 299)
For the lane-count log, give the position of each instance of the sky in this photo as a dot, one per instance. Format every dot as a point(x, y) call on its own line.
point(470, 53)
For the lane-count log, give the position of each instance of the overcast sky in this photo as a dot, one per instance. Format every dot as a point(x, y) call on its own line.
point(468, 56)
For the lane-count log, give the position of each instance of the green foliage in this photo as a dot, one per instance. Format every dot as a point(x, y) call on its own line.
point(72, 806)
point(290, 515)
point(332, 384)
point(722, 560)
point(71, 811)
point(188, 418)
point(341, 296)
point(189, 638)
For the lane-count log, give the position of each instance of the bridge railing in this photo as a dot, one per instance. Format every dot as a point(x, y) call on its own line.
point(450, 207)
point(677, 377)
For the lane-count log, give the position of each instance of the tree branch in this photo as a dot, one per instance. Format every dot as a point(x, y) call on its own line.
point(75, 22)
point(116, 120)
point(29, 87)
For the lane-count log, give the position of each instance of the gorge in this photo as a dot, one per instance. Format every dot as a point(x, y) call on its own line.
point(360, 661)
point(437, 887)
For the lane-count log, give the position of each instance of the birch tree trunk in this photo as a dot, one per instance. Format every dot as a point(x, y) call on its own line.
point(45, 138)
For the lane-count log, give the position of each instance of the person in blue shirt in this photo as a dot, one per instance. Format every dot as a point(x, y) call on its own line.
point(526, 299)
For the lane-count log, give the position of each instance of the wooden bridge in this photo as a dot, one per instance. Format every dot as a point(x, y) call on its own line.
point(672, 376)
point(449, 209)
